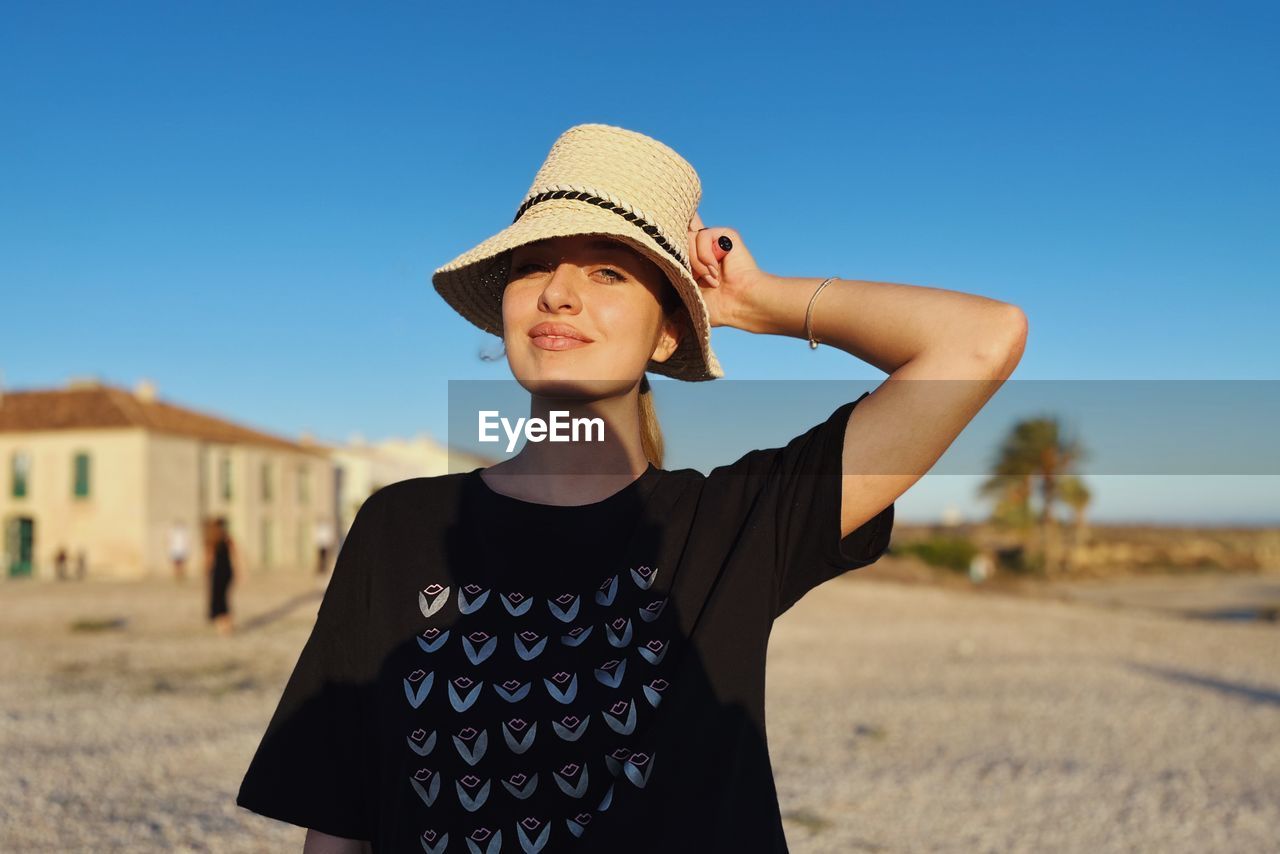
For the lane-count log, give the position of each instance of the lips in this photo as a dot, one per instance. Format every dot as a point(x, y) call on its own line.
point(558, 330)
point(557, 336)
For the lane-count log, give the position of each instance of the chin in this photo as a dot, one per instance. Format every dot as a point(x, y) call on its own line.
point(580, 380)
point(569, 388)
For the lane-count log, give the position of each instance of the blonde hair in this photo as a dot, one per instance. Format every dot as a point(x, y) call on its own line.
point(650, 429)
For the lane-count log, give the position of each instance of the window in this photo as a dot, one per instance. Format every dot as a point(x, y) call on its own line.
point(81, 475)
point(266, 481)
point(19, 473)
point(304, 484)
point(226, 477)
point(268, 556)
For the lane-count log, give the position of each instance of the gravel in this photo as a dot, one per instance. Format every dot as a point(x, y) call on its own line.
point(902, 717)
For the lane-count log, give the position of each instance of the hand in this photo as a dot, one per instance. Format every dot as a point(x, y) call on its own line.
point(726, 277)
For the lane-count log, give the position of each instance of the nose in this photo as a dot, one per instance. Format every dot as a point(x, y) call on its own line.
point(560, 291)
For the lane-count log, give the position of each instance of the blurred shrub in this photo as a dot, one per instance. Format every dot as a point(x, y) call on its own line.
point(952, 553)
point(1020, 561)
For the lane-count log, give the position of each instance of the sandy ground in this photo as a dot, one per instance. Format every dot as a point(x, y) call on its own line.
point(950, 720)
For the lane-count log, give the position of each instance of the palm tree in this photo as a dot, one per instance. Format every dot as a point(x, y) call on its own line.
point(1076, 495)
point(1012, 496)
point(1036, 452)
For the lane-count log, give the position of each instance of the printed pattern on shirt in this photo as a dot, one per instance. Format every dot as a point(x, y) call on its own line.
point(526, 708)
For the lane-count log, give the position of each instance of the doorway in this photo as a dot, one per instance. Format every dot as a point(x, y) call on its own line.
point(19, 545)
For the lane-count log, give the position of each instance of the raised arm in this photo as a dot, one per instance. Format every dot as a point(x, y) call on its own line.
point(912, 332)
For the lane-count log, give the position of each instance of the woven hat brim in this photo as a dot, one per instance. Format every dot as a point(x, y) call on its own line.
point(472, 284)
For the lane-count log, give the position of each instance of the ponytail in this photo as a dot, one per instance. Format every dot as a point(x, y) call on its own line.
point(650, 429)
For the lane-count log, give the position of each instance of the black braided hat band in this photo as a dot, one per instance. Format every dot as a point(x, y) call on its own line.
point(595, 198)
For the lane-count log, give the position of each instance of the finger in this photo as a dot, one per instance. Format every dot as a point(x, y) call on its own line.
point(725, 240)
point(696, 263)
point(719, 244)
point(697, 266)
point(706, 254)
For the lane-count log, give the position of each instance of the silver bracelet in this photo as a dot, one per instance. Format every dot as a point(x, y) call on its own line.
point(808, 315)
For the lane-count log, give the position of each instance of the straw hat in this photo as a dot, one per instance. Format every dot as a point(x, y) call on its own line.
point(598, 179)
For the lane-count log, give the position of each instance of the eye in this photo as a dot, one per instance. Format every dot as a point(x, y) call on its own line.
point(520, 269)
point(614, 274)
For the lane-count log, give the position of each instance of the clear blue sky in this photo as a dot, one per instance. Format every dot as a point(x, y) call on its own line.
point(244, 201)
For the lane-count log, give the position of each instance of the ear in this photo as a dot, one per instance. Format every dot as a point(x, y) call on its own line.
point(674, 328)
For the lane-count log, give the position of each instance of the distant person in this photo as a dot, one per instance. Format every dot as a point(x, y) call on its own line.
point(324, 542)
point(82, 564)
point(60, 564)
point(220, 562)
point(179, 545)
point(980, 567)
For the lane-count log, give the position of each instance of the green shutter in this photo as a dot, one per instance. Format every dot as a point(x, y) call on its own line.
point(19, 464)
point(82, 475)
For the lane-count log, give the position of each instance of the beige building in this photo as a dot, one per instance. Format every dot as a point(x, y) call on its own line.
point(115, 479)
point(367, 467)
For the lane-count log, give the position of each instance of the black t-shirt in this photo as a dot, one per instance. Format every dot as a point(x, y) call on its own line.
point(493, 675)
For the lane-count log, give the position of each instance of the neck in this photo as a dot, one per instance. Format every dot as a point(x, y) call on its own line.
point(606, 457)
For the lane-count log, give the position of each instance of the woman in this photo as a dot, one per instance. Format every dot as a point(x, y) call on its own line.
point(220, 560)
point(565, 651)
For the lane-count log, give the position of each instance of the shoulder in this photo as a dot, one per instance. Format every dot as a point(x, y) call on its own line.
point(682, 478)
point(411, 497)
point(413, 488)
point(744, 474)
